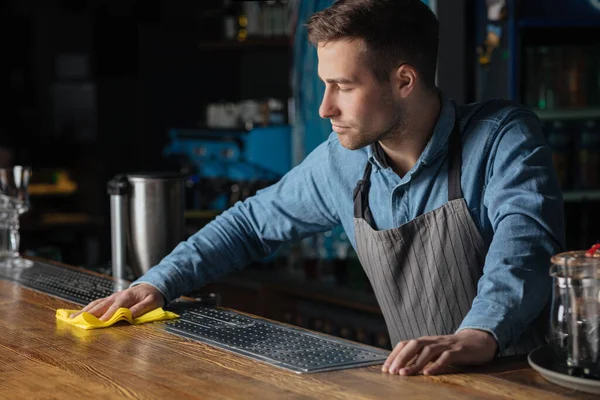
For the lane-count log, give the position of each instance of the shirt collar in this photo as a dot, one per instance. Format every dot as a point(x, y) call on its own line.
point(437, 144)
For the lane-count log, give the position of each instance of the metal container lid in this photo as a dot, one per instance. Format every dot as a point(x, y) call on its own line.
point(119, 185)
point(156, 176)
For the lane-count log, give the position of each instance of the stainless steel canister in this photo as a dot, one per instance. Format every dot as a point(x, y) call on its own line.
point(147, 219)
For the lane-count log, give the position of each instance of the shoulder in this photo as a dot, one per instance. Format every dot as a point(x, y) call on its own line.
point(489, 121)
point(498, 111)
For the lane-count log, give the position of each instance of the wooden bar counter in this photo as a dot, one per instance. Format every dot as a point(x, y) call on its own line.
point(42, 358)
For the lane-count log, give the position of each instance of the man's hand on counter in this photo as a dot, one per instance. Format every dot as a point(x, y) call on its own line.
point(139, 299)
point(467, 347)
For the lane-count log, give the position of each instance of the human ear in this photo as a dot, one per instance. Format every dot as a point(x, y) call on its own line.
point(404, 79)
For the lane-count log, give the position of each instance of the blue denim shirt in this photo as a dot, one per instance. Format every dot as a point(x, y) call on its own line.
point(508, 182)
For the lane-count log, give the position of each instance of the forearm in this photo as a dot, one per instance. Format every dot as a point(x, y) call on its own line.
point(220, 247)
point(516, 283)
point(295, 207)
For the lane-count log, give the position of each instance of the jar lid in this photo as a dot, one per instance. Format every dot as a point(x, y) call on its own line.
point(576, 264)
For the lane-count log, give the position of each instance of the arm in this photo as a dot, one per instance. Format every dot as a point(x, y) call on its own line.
point(297, 206)
point(525, 208)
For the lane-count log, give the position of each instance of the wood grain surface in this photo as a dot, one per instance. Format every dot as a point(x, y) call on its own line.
point(43, 358)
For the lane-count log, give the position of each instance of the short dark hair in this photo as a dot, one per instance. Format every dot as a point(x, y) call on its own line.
point(394, 31)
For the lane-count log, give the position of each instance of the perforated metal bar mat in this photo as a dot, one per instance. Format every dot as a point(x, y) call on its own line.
point(280, 345)
point(65, 283)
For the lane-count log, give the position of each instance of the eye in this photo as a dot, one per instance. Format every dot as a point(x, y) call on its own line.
point(345, 89)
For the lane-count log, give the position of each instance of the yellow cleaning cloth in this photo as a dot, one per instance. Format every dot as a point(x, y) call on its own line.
point(86, 320)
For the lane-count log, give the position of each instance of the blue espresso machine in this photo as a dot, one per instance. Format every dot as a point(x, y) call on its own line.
point(226, 166)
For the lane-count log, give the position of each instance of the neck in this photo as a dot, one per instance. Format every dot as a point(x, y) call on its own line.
point(403, 147)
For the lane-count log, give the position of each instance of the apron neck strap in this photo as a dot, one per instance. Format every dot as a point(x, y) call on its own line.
point(454, 162)
point(361, 197)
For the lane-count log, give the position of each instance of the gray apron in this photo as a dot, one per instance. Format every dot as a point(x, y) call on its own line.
point(425, 272)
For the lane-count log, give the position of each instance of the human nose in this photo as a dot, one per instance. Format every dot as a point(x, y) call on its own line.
point(328, 108)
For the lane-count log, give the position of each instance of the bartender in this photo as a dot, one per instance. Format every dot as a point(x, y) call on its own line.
point(454, 211)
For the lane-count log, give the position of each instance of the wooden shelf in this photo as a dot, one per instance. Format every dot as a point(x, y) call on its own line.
point(286, 284)
point(276, 41)
point(201, 214)
point(569, 114)
point(541, 22)
point(578, 196)
point(68, 221)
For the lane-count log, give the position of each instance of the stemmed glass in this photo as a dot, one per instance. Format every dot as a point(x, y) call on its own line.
point(14, 201)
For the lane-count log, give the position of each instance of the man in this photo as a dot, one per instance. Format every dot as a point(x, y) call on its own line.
point(454, 212)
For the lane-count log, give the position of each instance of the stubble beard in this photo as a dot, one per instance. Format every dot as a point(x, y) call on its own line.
point(359, 139)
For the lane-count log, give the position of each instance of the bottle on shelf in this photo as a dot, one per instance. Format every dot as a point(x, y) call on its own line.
point(229, 20)
point(592, 77)
point(252, 12)
point(558, 140)
point(588, 156)
point(574, 72)
point(531, 78)
point(546, 88)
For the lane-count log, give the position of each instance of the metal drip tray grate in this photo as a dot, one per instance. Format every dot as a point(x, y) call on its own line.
point(287, 347)
point(67, 284)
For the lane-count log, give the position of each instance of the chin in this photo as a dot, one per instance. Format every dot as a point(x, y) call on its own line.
point(350, 144)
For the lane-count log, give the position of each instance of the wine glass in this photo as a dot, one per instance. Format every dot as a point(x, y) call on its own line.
point(14, 201)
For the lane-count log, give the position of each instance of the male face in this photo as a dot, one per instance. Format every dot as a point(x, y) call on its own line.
point(362, 110)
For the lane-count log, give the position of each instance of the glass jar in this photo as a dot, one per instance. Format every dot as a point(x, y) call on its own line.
point(575, 312)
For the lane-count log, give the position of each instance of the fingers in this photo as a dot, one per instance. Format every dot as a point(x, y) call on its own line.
point(93, 304)
point(427, 354)
point(392, 356)
point(443, 360)
point(148, 304)
point(413, 356)
point(88, 307)
point(111, 310)
point(105, 308)
point(407, 354)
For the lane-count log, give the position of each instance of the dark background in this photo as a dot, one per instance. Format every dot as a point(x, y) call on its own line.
point(149, 66)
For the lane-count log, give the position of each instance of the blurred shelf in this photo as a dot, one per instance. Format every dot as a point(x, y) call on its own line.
point(577, 196)
point(47, 189)
point(56, 218)
point(557, 23)
point(62, 184)
point(576, 113)
point(201, 214)
point(289, 285)
point(327, 293)
point(276, 41)
point(59, 221)
point(53, 193)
